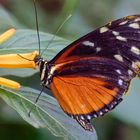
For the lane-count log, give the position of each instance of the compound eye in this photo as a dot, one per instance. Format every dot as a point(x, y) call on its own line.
point(38, 59)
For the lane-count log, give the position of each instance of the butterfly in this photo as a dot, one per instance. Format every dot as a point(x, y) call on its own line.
point(89, 77)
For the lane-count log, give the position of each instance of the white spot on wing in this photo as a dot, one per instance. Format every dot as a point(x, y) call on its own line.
point(118, 57)
point(103, 29)
point(88, 43)
point(95, 116)
point(120, 82)
point(134, 25)
point(111, 106)
point(115, 102)
point(118, 71)
point(135, 50)
point(72, 117)
point(115, 33)
point(82, 117)
point(88, 117)
point(106, 110)
point(137, 19)
point(130, 72)
point(121, 38)
point(124, 22)
point(101, 113)
point(98, 49)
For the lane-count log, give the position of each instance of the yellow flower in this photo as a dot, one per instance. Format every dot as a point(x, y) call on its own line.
point(9, 83)
point(14, 61)
point(18, 60)
point(6, 35)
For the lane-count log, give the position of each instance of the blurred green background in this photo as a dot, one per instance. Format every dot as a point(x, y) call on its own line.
point(124, 122)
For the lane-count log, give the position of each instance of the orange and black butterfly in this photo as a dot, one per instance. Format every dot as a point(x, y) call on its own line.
point(89, 77)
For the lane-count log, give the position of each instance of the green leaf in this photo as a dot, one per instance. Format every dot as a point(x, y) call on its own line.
point(25, 41)
point(46, 113)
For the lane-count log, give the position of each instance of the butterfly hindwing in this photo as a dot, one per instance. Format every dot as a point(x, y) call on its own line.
point(84, 98)
point(89, 87)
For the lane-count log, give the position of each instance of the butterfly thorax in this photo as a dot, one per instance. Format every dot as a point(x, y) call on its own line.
point(44, 69)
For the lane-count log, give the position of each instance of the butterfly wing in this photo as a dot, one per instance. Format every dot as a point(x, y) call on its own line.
point(116, 40)
point(82, 95)
point(85, 98)
point(91, 75)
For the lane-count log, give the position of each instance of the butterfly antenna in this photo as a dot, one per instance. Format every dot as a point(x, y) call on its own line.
point(37, 28)
point(37, 25)
point(59, 28)
point(24, 57)
point(29, 114)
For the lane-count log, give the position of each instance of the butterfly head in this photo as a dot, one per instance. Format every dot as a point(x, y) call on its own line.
point(38, 60)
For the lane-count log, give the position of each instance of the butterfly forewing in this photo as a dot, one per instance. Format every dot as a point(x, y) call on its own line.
point(106, 41)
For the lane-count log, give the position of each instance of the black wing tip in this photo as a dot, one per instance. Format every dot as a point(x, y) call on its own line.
point(86, 124)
